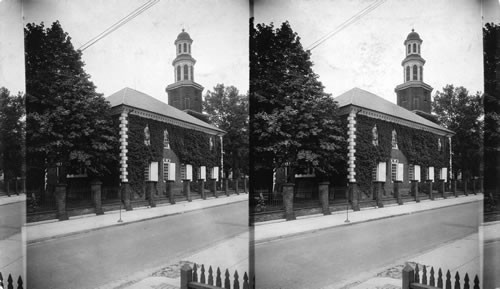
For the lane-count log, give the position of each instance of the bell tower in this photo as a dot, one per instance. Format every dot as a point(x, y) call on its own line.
point(184, 93)
point(414, 94)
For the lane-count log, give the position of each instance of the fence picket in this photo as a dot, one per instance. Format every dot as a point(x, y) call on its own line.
point(218, 281)
point(476, 282)
point(448, 280)
point(202, 274)
point(457, 281)
point(236, 282)
point(440, 278)
point(195, 273)
point(245, 281)
point(424, 275)
point(227, 282)
point(19, 283)
point(431, 280)
point(466, 281)
point(210, 276)
point(417, 274)
point(9, 282)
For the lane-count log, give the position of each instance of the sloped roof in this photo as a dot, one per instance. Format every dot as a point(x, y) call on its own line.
point(364, 99)
point(133, 98)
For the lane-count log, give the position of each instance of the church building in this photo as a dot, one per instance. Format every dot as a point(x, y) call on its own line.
point(392, 146)
point(164, 143)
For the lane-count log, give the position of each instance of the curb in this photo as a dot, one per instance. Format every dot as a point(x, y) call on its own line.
point(44, 239)
point(271, 239)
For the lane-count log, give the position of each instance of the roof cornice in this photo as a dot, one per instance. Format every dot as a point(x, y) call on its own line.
point(413, 83)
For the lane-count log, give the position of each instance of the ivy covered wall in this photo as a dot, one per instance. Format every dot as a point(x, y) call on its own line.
point(190, 146)
point(419, 147)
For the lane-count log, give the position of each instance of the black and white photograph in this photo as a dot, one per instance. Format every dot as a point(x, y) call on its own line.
point(269, 144)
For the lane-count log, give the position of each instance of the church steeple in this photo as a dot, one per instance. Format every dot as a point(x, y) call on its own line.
point(184, 93)
point(414, 94)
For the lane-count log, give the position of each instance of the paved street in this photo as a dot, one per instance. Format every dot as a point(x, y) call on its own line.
point(11, 242)
point(103, 256)
point(345, 254)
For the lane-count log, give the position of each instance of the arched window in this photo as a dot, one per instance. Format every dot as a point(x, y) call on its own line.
point(415, 72)
point(409, 49)
point(189, 48)
point(414, 48)
point(166, 141)
point(418, 49)
point(179, 73)
point(394, 140)
point(186, 73)
point(421, 73)
point(407, 73)
point(180, 48)
point(192, 73)
point(185, 48)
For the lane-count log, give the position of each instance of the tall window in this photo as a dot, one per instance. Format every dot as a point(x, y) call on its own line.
point(375, 135)
point(185, 47)
point(411, 172)
point(180, 48)
point(418, 49)
point(415, 72)
point(408, 73)
point(166, 141)
point(414, 48)
point(394, 140)
point(394, 169)
point(409, 48)
point(421, 73)
point(192, 73)
point(189, 48)
point(179, 73)
point(186, 73)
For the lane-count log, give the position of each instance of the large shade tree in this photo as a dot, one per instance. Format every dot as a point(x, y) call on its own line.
point(68, 122)
point(294, 123)
point(491, 49)
point(228, 110)
point(12, 125)
point(461, 112)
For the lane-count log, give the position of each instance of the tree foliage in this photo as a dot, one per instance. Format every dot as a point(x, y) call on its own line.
point(228, 110)
point(68, 122)
point(12, 126)
point(462, 113)
point(491, 53)
point(293, 122)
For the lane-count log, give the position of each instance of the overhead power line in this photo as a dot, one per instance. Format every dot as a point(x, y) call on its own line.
point(346, 23)
point(139, 10)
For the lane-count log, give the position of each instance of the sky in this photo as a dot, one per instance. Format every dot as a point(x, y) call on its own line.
point(368, 53)
point(139, 54)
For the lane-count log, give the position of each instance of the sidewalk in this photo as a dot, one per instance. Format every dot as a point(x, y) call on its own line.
point(4, 200)
point(274, 230)
point(46, 230)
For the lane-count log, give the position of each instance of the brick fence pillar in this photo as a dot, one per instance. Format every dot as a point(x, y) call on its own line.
point(429, 186)
point(323, 191)
point(125, 195)
point(288, 201)
point(62, 214)
point(186, 188)
point(201, 186)
point(465, 187)
point(236, 190)
point(414, 190)
point(441, 189)
point(95, 189)
point(397, 193)
point(474, 186)
point(213, 187)
point(354, 196)
point(150, 193)
point(378, 194)
point(170, 192)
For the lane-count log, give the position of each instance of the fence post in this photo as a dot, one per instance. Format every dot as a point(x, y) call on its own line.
point(465, 188)
point(201, 186)
point(236, 186)
point(126, 193)
point(408, 276)
point(431, 194)
point(441, 188)
point(186, 276)
point(378, 194)
point(150, 193)
point(225, 186)
point(245, 185)
point(454, 187)
point(474, 181)
point(213, 187)
point(186, 187)
point(397, 192)
point(95, 188)
point(288, 201)
point(481, 185)
point(414, 190)
point(323, 191)
point(62, 214)
point(170, 192)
